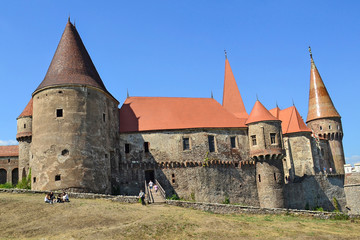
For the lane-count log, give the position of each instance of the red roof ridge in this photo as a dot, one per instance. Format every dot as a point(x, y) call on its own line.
point(259, 113)
point(27, 112)
point(232, 100)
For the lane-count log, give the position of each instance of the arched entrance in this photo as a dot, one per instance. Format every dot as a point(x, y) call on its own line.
point(15, 176)
point(3, 175)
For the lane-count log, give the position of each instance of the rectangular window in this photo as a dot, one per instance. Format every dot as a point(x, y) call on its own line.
point(57, 178)
point(273, 138)
point(146, 147)
point(253, 140)
point(127, 148)
point(34, 179)
point(233, 142)
point(186, 143)
point(104, 116)
point(24, 125)
point(211, 143)
point(59, 113)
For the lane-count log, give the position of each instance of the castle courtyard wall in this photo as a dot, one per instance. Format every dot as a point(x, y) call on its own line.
point(352, 191)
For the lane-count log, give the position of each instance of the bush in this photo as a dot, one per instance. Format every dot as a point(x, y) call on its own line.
point(340, 216)
point(336, 205)
point(226, 200)
point(25, 182)
point(174, 197)
point(6, 185)
point(317, 208)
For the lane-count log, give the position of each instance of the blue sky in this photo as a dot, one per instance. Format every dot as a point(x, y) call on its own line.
point(176, 49)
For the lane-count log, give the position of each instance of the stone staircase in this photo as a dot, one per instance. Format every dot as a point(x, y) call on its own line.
point(157, 197)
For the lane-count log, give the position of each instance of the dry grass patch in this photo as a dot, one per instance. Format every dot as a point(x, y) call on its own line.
point(25, 216)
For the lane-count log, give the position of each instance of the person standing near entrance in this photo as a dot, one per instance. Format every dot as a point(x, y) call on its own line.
point(142, 197)
point(151, 184)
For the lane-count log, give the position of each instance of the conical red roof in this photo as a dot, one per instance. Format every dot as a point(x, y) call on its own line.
point(320, 104)
point(259, 113)
point(28, 110)
point(291, 121)
point(275, 112)
point(232, 100)
point(71, 64)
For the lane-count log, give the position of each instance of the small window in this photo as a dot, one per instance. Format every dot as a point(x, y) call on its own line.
point(173, 175)
point(9, 160)
point(57, 177)
point(24, 125)
point(127, 148)
point(60, 92)
point(253, 140)
point(322, 152)
point(186, 144)
point(211, 143)
point(34, 179)
point(106, 156)
point(233, 142)
point(173, 180)
point(259, 178)
point(273, 138)
point(146, 147)
point(338, 127)
point(329, 126)
point(320, 128)
point(104, 117)
point(275, 176)
point(59, 113)
point(65, 152)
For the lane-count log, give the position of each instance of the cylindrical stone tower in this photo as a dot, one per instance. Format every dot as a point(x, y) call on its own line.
point(323, 118)
point(75, 123)
point(266, 148)
point(23, 136)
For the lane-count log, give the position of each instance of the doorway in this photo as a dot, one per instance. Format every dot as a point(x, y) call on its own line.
point(149, 175)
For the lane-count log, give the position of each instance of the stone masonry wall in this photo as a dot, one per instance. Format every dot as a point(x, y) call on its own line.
point(316, 191)
point(73, 150)
point(299, 157)
point(352, 191)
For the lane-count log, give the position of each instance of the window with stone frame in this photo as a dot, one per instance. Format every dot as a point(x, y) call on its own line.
point(273, 138)
point(127, 148)
point(253, 140)
point(211, 140)
point(233, 142)
point(186, 143)
point(59, 113)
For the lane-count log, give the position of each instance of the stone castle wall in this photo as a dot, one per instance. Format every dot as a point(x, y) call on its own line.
point(352, 191)
point(72, 149)
point(316, 191)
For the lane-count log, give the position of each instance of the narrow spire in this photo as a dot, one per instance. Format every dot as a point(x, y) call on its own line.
point(69, 18)
point(225, 53)
point(277, 104)
point(232, 100)
point(257, 97)
point(212, 96)
point(320, 103)
point(127, 93)
point(293, 102)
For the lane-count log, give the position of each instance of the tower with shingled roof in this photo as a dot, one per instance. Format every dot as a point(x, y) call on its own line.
point(266, 148)
point(75, 123)
point(325, 122)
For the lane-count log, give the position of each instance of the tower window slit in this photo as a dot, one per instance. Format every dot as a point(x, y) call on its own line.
point(127, 148)
point(275, 176)
point(233, 142)
point(146, 147)
point(259, 178)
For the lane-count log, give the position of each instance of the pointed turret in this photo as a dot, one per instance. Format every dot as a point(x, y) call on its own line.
point(259, 113)
point(232, 100)
point(71, 64)
point(320, 103)
point(324, 120)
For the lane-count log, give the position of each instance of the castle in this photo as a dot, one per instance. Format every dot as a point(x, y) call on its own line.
point(73, 137)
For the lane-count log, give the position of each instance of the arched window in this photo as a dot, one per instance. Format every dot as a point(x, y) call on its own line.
point(15, 176)
point(3, 175)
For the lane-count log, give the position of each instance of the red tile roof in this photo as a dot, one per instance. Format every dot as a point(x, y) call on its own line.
point(28, 110)
point(9, 151)
point(291, 121)
point(71, 64)
point(259, 113)
point(232, 100)
point(320, 103)
point(165, 113)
